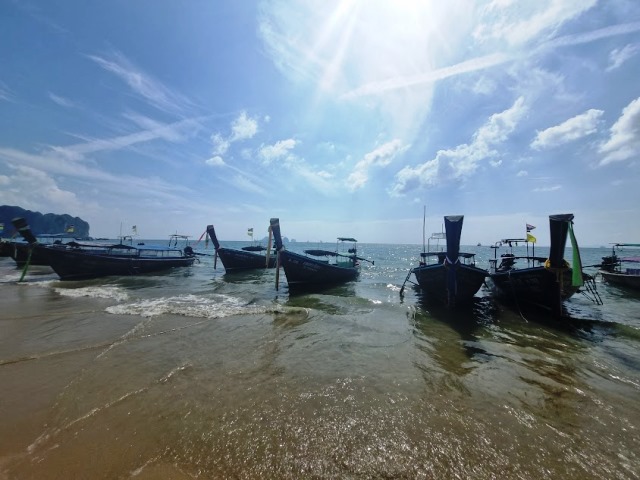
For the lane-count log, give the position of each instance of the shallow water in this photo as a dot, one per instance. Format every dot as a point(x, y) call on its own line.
point(200, 374)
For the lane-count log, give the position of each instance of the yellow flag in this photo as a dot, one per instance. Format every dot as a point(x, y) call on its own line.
point(531, 238)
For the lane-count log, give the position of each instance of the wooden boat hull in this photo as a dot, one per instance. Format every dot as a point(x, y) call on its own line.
point(302, 270)
point(75, 264)
point(622, 279)
point(434, 282)
point(20, 254)
point(233, 259)
point(537, 286)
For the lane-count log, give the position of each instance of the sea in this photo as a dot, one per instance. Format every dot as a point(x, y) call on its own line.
point(199, 374)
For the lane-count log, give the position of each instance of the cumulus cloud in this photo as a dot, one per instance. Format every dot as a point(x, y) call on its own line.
point(48, 196)
point(243, 128)
point(461, 161)
point(269, 153)
point(381, 157)
point(216, 161)
point(573, 129)
point(220, 144)
point(624, 138)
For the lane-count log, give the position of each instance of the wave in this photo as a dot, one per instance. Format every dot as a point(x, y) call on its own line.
point(105, 291)
point(215, 306)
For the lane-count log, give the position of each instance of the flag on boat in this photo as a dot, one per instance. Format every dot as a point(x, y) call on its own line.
point(70, 229)
point(250, 232)
point(530, 227)
point(134, 230)
point(531, 238)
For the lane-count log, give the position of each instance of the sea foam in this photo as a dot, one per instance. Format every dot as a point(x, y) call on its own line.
point(106, 291)
point(216, 306)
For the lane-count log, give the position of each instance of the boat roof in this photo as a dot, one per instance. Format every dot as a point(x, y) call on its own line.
point(461, 254)
point(321, 253)
point(507, 240)
point(346, 239)
point(54, 235)
point(626, 244)
point(156, 248)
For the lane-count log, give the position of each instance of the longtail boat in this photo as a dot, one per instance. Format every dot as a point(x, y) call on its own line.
point(245, 258)
point(74, 261)
point(448, 277)
point(317, 268)
point(530, 280)
point(621, 271)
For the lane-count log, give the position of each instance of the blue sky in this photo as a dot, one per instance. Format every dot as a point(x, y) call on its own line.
point(343, 118)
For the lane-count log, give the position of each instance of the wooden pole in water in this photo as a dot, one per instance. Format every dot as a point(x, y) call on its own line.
point(269, 246)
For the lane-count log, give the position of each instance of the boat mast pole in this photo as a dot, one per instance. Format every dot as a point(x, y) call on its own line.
point(424, 221)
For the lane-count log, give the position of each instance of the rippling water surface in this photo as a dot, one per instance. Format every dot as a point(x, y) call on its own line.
point(198, 374)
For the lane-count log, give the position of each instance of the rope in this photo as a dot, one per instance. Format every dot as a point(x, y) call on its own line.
point(26, 265)
point(515, 297)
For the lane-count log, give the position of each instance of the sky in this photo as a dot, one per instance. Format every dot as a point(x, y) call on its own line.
point(341, 118)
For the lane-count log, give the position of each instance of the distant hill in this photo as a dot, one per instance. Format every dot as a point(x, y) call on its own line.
point(47, 223)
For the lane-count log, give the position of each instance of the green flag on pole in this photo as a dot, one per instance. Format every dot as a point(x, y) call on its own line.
point(576, 278)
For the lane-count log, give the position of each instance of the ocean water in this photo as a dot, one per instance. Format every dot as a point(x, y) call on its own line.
point(195, 373)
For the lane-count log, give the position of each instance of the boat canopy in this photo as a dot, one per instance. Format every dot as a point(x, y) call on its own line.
point(435, 254)
point(321, 253)
point(626, 244)
point(254, 248)
point(157, 248)
point(346, 239)
point(514, 240)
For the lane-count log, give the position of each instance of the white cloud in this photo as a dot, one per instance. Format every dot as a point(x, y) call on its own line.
point(172, 132)
point(620, 55)
point(573, 129)
point(243, 128)
point(54, 165)
point(280, 149)
point(5, 92)
point(215, 161)
point(220, 144)
point(62, 101)
point(244, 183)
point(519, 22)
point(381, 157)
point(157, 94)
point(624, 139)
point(551, 188)
point(461, 161)
point(522, 173)
point(475, 64)
point(47, 197)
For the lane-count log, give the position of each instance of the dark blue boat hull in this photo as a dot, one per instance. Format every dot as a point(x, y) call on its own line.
point(436, 283)
point(302, 270)
point(20, 253)
point(76, 264)
point(537, 286)
point(243, 260)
